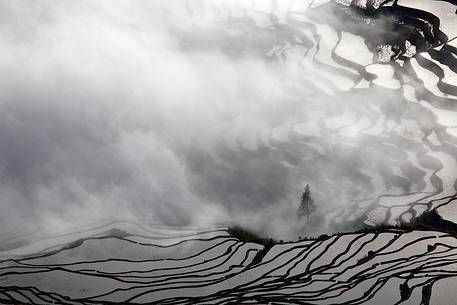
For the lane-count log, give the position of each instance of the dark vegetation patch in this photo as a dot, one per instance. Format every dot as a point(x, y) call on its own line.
point(428, 221)
point(119, 233)
point(261, 254)
point(426, 294)
point(248, 236)
point(74, 244)
point(432, 220)
point(367, 257)
point(405, 291)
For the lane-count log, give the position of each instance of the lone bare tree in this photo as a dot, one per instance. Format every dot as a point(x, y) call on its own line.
point(307, 204)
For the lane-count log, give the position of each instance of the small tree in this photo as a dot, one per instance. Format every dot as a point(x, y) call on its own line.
point(307, 204)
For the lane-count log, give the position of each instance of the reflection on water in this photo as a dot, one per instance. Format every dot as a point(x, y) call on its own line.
point(368, 120)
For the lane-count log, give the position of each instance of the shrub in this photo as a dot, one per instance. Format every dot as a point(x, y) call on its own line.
point(245, 235)
point(404, 291)
point(74, 244)
point(323, 237)
point(430, 248)
point(116, 232)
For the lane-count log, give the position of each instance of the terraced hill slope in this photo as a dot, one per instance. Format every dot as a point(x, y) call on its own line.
point(144, 263)
point(367, 115)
